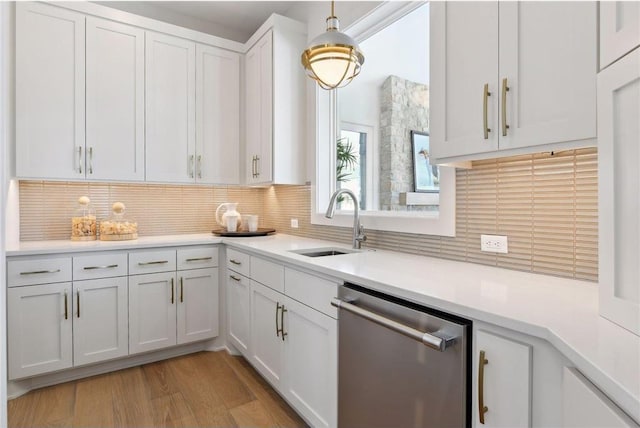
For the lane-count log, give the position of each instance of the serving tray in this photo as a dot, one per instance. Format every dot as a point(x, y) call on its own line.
point(243, 233)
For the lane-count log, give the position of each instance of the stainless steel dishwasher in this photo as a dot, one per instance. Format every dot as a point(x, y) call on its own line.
point(400, 364)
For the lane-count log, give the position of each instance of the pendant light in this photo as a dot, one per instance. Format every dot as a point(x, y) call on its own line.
point(333, 58)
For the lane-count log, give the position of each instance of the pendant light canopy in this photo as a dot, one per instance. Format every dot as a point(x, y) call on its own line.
point(333, 58)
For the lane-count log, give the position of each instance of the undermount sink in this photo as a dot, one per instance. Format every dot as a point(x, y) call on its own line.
point(323, 252)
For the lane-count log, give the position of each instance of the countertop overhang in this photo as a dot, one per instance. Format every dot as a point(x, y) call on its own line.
point(562, 311)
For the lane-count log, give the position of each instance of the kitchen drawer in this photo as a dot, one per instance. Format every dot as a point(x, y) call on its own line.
point(239, 262)
point(311, 290)
point(268, 273)
point(38, 270)
point(197, 257)
point(152, 261)
point(101, 265)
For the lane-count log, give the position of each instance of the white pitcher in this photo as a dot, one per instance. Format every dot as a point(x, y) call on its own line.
point(229, 209)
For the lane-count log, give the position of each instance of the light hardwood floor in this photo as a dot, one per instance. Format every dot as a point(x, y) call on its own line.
point(207, 389)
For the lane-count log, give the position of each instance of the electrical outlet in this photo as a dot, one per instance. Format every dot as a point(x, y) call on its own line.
point(494, 244)
point(294, 223)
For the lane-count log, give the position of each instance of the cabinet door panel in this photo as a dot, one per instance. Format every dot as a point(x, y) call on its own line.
point(548, 54)
point(311, 351)
point(170, 109)
point(507, 381)
point(100, 320)
point(50, 92)
point(266, 347)
point(618, 183)
point(152, 312)
point(464, 57)
point(238, 289)
point(619, 29)
point(115, 101)
point(197, 307)
point(217, 115)
point(39, 339)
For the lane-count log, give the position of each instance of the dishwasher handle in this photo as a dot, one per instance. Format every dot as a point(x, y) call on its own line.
point(428, 339)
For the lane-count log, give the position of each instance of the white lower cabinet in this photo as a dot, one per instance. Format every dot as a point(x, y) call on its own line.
point(39, 329)
point(152, 311)
point(100, 320)
point(267, 347)
point(311, 363)
point(585, 406)
point(197, 310)
point(502, 381)
point(239, 307)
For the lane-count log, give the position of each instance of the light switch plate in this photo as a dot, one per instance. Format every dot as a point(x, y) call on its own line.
point(494, 244)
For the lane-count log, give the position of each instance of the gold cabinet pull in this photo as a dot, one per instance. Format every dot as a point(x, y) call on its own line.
point(157, 262)
point(254, 166)
point(66, 306)
point(181, 290)
point(191, 166)
point(257, 166)
point(277, 327)
point(80, 160)
point(235, 278)
point(235, 262)
point(199, 166)
point(90, 160)
point(485, 105)
point(78, 301)
point(38, 272)
point(284, 333)
point(172, 294)
point(505, 89)
point(482, 409)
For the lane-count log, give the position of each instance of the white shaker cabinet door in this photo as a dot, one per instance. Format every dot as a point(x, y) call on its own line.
point(217, 115)
point(618, 196)
point(619, 29)
point(100, 320)
point(50, 92)
point(464, 58)
point(39, 339)
point(311, 352)
point(502, 374)
point(548, 56)
point(115, 101)
point(239, 312)
point(170, 109)
point(267, 349)
point(197, 305)
point(152, 311)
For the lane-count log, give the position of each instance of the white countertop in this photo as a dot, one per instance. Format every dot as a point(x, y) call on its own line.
point(561, 311)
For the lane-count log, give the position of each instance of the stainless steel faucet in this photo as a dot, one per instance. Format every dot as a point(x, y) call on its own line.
point(358, 229)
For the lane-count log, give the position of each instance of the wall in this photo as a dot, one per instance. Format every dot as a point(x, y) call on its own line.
point(547, 206)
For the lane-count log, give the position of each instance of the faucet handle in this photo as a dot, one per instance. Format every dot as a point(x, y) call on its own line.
point(361, 235)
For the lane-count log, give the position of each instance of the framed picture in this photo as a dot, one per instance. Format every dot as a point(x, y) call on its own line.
point(425, 175)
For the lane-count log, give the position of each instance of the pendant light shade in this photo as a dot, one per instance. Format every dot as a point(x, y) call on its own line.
point(333, 58)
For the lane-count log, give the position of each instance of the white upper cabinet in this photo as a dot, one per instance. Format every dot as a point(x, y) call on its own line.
point(275, 103)
point(618, 196)
point(619, 29)
point(512, 75)
point(50, 92)
point(217, 115)
point(170, 109)
point(115, 101)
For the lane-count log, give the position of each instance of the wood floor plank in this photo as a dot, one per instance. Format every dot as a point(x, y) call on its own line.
point(252, 414)
point(280, 411)
point(131, 401)
point(208, 389)
point(94, 402)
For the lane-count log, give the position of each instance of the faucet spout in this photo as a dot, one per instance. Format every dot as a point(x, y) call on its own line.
point(358, 230)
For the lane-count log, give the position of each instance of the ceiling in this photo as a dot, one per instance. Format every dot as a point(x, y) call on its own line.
point(235, 20)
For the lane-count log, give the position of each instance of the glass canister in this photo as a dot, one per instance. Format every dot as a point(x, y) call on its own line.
point(83, 221)
point(117, 227)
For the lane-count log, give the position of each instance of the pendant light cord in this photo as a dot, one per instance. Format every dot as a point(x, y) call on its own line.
point(333, 15)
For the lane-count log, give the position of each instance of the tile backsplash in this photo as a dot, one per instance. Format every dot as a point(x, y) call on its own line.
point(546, 204)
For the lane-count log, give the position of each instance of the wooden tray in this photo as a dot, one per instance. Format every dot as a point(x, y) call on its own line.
point(243, 233)
point(127, 237)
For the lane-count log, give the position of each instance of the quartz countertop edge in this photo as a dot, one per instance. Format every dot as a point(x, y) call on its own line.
point(562, 311)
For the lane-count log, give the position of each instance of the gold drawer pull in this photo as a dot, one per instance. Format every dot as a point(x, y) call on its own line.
point(199, 259)
point(235, 278)
point(235, 262)
point(159, 262)
point(100, 267)
point(39, 272)
point(505, 89)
